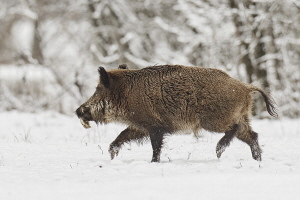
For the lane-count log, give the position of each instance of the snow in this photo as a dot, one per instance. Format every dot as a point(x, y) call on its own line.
point(22, 32)
point(11, 73)
point(51, 156)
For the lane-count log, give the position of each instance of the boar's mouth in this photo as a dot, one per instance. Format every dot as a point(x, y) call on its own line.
point(85, 124)
point(84, 115)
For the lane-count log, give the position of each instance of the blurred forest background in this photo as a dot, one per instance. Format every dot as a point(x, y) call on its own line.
point(50, 49)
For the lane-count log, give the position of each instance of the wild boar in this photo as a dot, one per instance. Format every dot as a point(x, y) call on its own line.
point(161, 100)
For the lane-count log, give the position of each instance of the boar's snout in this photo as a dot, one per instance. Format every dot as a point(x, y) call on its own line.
point(84, 114)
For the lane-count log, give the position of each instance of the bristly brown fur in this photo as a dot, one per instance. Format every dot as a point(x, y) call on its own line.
point(165, 99)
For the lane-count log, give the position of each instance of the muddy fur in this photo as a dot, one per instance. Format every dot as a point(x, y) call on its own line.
point(168, 99)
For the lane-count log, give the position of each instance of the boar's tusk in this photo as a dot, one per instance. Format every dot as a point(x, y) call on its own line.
point(85, 124)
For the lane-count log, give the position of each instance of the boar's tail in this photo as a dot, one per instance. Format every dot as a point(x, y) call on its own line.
point(270, 103)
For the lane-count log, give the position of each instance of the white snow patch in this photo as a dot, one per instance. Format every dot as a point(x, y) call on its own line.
point(51, 156)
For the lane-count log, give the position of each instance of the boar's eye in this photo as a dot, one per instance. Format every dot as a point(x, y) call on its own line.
point(98, 89)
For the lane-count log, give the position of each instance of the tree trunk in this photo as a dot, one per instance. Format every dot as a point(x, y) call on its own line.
point(110, 36)
point(37, 52)
point(244, 45)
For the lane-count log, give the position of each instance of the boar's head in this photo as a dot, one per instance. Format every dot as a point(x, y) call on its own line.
point(96, 107)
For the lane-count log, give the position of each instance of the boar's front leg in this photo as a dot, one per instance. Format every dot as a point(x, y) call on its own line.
point(128, 135)
point(156, 137)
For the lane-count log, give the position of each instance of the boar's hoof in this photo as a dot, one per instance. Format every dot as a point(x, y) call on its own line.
point(256, 151)
point(219, 150)
point(114, 151)
point(85, 124)
point(155, 159)
point(256, 156)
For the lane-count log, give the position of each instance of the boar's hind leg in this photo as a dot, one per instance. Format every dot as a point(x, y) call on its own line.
point(127, 136)
point(225, 140)
point(251, 138)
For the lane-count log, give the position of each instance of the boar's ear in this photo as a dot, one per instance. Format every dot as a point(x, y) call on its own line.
point(123, 66)
point(103, 76)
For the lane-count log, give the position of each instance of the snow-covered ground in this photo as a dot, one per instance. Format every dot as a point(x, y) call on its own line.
point(51, 156)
